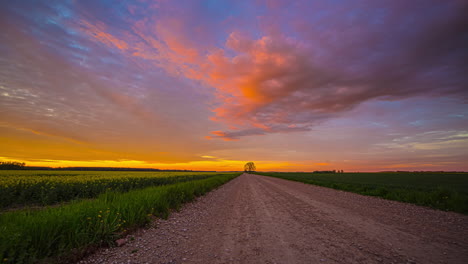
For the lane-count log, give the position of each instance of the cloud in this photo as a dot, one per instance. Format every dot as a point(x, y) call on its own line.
point(61, 82)
point(98, 31)
point(147, 80)
point(305, 69)
point(293, 70)
point(208, 157)
point(431, 140)
point(280, 83)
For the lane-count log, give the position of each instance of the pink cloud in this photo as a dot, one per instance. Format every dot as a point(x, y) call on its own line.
point(283, 82)
point(98, 31)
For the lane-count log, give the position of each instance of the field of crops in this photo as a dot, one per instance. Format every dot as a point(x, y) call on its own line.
point(53, 234)
point(25, 188)
point(445, 191)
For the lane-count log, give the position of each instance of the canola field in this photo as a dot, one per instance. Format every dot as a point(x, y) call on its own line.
point(120, 202)
point(38, 188)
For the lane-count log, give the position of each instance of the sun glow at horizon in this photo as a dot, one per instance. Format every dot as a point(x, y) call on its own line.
point(206, 85)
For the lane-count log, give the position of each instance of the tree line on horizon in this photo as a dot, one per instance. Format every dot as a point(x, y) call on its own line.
point(329, 171)
point(15, 165)
point(12, 165)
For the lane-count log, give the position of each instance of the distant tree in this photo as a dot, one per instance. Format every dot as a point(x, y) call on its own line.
point(326, 171)
point(249, 167)
point(12, 165)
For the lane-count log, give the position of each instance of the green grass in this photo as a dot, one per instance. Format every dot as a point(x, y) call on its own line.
point(38, 188)
point(50, 234)
point(444, 191)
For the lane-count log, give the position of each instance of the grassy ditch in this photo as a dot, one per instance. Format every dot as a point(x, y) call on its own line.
point(444, 191)
point(53, 233)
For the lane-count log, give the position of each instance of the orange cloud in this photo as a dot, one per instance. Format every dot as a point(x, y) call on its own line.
point(275, 83)
point(243, 82)
point(225, 136)
point(98, 31)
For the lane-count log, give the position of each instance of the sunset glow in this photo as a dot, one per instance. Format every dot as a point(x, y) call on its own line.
point(209, 85)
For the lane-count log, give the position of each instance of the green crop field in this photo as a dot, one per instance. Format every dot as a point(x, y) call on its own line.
point(26, 188)
point(121, 203)
point(445, 191)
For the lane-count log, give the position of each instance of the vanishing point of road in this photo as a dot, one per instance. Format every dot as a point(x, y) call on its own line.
point(259, 219)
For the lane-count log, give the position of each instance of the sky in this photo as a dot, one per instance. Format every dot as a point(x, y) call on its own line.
point(208, 85)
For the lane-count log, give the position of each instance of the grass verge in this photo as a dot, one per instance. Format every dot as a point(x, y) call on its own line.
point(444, 191)
point(53, 233)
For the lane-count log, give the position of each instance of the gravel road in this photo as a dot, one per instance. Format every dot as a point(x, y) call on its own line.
point(258, 219)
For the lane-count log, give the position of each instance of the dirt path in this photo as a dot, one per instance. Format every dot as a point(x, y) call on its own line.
point(258, 219)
